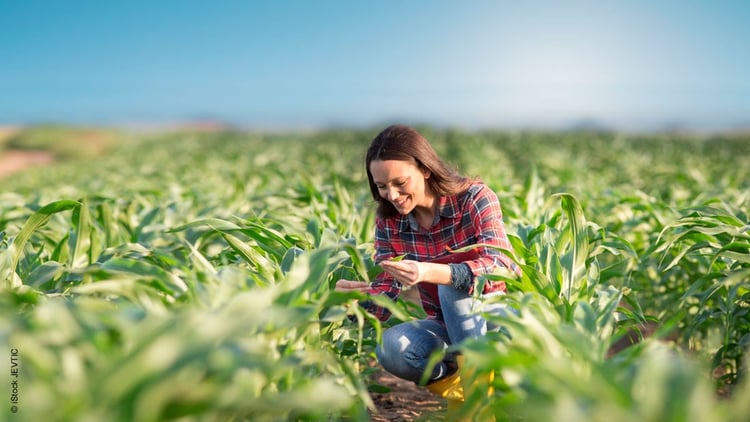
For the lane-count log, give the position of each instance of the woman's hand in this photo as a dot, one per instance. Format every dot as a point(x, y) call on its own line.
point(352, 286)
point(406, 272)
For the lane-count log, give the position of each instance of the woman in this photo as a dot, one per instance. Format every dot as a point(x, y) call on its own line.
point(424, 211)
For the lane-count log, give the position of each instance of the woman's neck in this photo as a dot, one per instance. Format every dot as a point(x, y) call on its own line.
point(425, 214)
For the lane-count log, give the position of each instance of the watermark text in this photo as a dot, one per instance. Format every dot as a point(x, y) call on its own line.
point(15, 366)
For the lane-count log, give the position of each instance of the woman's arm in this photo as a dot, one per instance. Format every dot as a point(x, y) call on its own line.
point(409, 273)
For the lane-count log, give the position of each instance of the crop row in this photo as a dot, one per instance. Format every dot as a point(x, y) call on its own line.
point(190, 276)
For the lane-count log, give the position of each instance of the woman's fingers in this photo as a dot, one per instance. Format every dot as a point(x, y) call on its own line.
point(395, 268)
point(393, 271)
point(407, 272)
point(352, 286)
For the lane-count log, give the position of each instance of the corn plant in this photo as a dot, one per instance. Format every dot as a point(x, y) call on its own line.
point(189, 276)
point(706, 254)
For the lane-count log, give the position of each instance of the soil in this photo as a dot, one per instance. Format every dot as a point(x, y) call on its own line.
point(405, 402)
point(13, 161)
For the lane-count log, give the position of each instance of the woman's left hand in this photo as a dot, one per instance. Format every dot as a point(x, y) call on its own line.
point(406, 272)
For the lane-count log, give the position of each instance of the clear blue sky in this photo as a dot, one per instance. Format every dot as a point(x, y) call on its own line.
point(628, 64)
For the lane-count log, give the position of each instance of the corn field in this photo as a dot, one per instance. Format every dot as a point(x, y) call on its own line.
point(189, 276)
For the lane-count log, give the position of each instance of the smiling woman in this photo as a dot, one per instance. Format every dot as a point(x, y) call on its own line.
point(402, 184)
point(426, 210)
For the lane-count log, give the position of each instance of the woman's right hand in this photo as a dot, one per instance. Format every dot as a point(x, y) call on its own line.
point(352, 286)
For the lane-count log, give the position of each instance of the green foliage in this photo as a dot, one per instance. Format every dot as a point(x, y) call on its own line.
point(189, 276)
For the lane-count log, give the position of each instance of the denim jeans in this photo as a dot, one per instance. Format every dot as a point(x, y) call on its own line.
point(406, 348)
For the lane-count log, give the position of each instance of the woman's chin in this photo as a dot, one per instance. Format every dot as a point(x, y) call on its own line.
point(403, 210)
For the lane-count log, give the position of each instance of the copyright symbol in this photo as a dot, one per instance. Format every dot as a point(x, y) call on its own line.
point(14, 409)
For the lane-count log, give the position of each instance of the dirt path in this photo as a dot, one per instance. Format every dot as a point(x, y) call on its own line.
point(13, 161)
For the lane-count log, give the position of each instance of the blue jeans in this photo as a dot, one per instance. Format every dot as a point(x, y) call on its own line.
point(406, 348)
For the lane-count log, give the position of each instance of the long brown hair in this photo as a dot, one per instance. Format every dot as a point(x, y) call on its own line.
point(403, 143)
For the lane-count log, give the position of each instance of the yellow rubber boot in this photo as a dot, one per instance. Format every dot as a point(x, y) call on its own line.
point(451, 389)
point(471, 383)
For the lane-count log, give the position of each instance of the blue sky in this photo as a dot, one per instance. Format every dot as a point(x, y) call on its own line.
point(638, 65)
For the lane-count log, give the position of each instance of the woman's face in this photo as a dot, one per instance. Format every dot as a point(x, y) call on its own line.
point(402, 184)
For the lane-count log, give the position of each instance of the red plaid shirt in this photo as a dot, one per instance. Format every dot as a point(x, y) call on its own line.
point(469, 218)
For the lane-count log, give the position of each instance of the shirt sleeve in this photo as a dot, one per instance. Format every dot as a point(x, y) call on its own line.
point(487, 218)
point(384, 283)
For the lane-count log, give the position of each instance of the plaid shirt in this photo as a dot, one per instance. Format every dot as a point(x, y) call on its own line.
point(462, 220)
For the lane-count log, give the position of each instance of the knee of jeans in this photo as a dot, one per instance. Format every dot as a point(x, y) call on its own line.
point(393, 361)
point(404, 356)
point(382, 352)
point(392, 346)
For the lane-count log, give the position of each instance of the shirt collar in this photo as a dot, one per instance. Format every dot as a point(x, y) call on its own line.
point(448, 208)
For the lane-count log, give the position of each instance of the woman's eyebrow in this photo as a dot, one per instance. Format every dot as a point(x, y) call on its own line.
point(377, 182)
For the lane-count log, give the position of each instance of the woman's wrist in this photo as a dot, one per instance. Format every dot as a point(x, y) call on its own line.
point(435, 273)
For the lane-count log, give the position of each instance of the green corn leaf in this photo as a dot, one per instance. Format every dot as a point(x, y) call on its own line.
point(358, 262)
point(36, 220)
point(81, 239)
point(157, 277)
point(44, 273)
point(253, 257)
point(213, 223)
point(575, 258)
